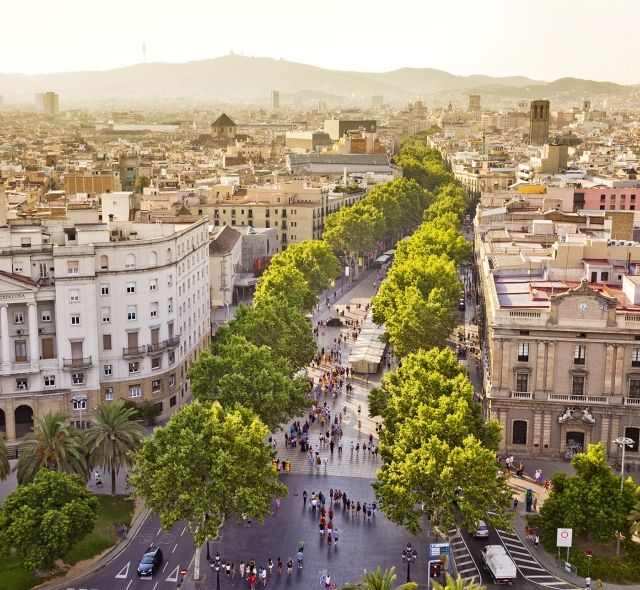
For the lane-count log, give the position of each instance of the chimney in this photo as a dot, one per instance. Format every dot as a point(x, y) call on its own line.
point(3, 205)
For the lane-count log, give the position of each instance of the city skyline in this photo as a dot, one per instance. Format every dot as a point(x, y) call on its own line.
point(504, 39)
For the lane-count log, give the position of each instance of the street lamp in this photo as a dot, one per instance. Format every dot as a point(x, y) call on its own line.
point(589, 556)
point(623, 442)
point(80, 400)
point(215, 564)
point(409, 554)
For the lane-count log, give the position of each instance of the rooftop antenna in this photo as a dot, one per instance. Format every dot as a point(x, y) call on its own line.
point(144, 52)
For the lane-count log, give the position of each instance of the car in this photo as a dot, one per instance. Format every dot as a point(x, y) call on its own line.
point(481, 530)
point(461, 304)
point(150, 561)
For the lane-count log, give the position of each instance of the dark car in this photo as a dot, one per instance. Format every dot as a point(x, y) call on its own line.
point(461, 304)
point(150, 561)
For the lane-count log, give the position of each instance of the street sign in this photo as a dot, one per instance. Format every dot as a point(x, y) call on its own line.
point(564, 537)
point(438, 549)
point(346, 271)
point(183, 571)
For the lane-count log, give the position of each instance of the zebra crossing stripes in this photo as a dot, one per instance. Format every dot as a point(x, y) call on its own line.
point(528, 565)
point(465, 564)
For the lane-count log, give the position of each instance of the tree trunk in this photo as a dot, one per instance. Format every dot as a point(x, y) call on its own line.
point(196, 563)
point(113, 482)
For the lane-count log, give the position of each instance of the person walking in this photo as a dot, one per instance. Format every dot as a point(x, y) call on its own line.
point(536, 540)
point(270, 566)
point(227, 569)
point(299, 558)
point(587, 583)
point(331, 445)
point(279, 566)
point(289, 566)
point(251, 578)
point(241, 569)
point(304, 499)
point(263, 576)
point(351, 446)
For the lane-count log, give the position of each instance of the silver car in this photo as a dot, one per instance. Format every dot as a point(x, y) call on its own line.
point(482, 530)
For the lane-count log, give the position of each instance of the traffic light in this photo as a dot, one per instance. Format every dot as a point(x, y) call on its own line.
point(435, 569)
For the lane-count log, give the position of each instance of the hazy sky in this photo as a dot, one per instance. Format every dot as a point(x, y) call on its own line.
point(542, 39)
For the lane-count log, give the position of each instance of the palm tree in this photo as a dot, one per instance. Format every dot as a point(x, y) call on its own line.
point(379, 580)
point(4, 459)
point(458, 583)
point(112, 438)
point(54, 444)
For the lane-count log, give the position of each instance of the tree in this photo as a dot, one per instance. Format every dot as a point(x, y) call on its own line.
point(457, 583)
point(237, 371)
point(272, 322)
point(590, 501)
point(634, 519)
point(4, 459)
point(314, 259)
point(379, 580)
point(288, 284)
point(55, 445)
point(141, 183)
point(207, 465)
point(43, 519)
point(438, 451)
point(113, 435)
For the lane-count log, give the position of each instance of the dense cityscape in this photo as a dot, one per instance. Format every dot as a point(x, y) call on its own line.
point(266, 324)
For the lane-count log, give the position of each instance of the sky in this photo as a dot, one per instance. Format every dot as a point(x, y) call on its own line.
point(541, 39)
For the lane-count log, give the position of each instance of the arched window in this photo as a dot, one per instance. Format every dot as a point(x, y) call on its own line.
point(104, 262)
point(519, 432)
point(130, 261)
point(634, 434)
point(153, 259)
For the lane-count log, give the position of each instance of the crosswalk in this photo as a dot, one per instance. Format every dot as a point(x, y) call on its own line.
point(465, 564)
point(528, 565)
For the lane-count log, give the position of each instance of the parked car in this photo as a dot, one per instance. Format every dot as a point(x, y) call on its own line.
point(481, 530)
point(150, 561)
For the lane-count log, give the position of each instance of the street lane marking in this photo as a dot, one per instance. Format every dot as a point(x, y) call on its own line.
point(173, 576)
point(174, 549)
point(183, 530)
point(124, 572)
point(165, 566)
point(129, 584)
point(159, 531)
point(155, 586)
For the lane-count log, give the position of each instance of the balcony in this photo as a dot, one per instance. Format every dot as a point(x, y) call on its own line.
point(133, 351)
point(78, 363)
point(173, 342)
point(578, 399)
point(632, 401)
point(521, 395)
point(18, 368)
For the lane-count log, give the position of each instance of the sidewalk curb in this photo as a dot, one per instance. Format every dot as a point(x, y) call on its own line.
point(105, 561)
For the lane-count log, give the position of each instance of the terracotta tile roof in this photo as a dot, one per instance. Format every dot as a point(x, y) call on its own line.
point(224, 242)
point(19, 278)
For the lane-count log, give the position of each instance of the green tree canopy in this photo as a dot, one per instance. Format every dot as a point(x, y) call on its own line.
point(55, 445)
point(288, 284)
point(457, 583)
point(589, 502)
point(272, 322)
point(237, 371)
point(206, 466)
point(380, 580)
point(4, 459)
point(112, 437)
point(141, 182)
point(43, 519)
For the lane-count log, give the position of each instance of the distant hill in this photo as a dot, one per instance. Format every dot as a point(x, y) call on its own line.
point(250, 79)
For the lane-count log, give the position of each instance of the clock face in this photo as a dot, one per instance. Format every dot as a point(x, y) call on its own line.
point(583, 307)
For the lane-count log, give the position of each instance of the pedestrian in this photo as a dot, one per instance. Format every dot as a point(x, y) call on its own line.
point(331, 445)
point(326, 462)
point(587, 583)
point(252, 581)
point(227, 569)
point(359, 409)
point(241, 569)
point(357, 446)
point(536, 541)
point(270, 566)
point(289, 566)
point(279, 566)
point(340, 447)
point(336, 536)
point(304, 498)
point(353, 509)
point(351, 447)
point(233, 570)
point(299, 558)
point(263, 576)
point(515, 504)
point(358, 509)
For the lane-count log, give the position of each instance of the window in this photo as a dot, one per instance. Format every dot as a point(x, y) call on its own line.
point(106, 341)
point(154, 309)
point(519, 432)
point(79, 403)
point(131, 288)
point(18, 317)
point(134, 367)
point(104, 290)
point(172, 380)
point(156, 362)
point(75, 319)
point(153, 259)
point(522, 382)
point(132, 313)
point(169, 280)
point(130, 261)
point(49, 381)
point(108, 370)
point(634, 434)
point(577, 385)
point(108, 394)
point(77, 378)
point(134, 391)
point(74, 296)
point(43, 270)
point(153, 284)
point(635, 357)
point(22, 384)
point(172, 401)
point(579, 354)
point(45, 315)
point(170, 305)
point(20, 348)
point(104, 262)
point(73, 267)
point(106, 315)
point(634, 388)
point(523, 352)
point(604, 277)
point(156, 386)
point(172, 357)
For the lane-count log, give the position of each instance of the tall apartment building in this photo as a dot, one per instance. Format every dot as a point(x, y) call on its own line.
point(560, 316)
point(294, 209)
point(47, 103)
point(539, 122)
point(275, 99)
point(98, 312)
point(474, 103)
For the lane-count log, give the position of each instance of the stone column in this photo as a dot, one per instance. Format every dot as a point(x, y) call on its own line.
point(4, 335)
point(32, 324)
point(604, 433)
point(546, 434)
point(551, 366)
point(608, 369)
point(617, 384)
point(496, 368)
point(615, 432)
point(506, 365)
point(540, 365)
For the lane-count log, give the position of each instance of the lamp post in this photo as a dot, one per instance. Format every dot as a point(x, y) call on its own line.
point(623, 442)
point(589, 556)
point(409, 554)
point(216, 563)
